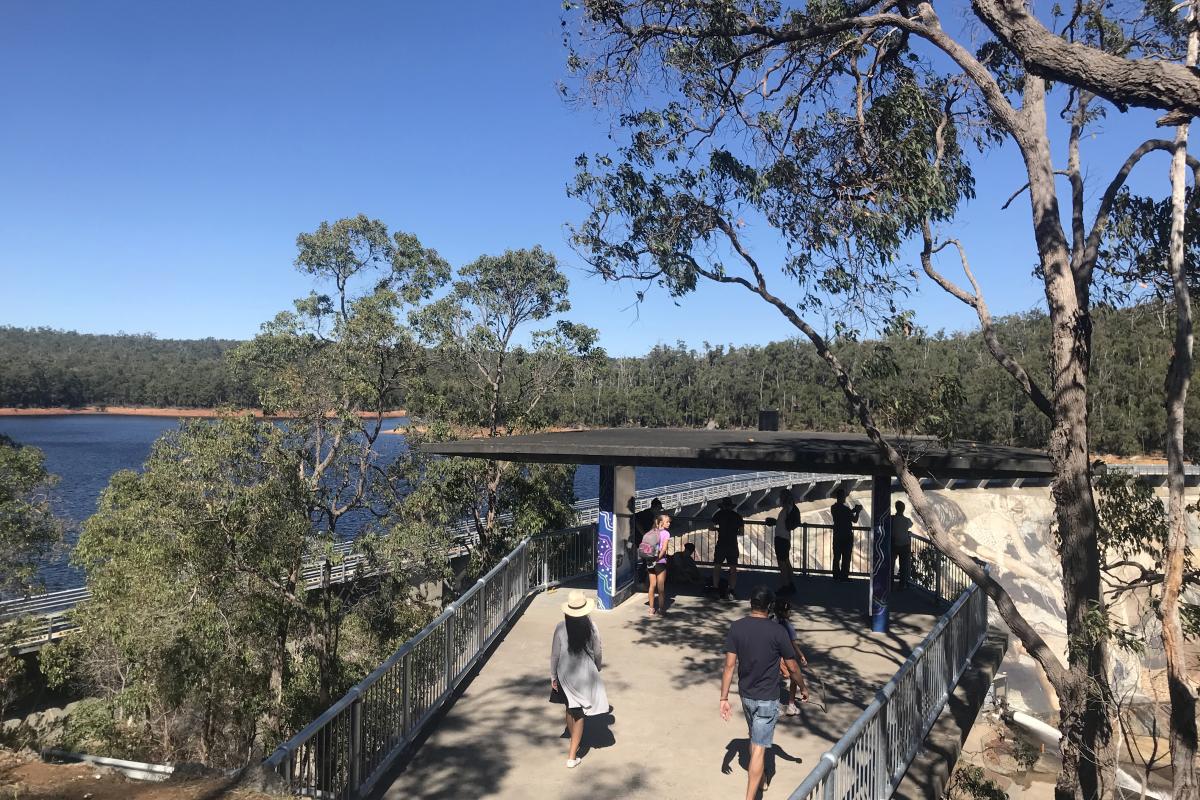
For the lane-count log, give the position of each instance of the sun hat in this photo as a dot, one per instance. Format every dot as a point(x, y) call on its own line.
point(578, 604)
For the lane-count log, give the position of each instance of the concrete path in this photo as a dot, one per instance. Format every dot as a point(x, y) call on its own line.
point(664, 737)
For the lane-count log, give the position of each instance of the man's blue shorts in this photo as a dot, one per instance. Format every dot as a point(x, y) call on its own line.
point(761, 716)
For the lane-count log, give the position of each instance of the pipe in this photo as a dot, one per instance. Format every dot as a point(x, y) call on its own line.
point(1049, 735)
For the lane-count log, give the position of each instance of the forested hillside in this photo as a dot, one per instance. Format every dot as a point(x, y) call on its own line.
point(45, 367)
point(913, 372)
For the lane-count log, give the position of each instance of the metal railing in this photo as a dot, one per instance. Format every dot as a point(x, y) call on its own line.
point(872, 757)
point(811, 552)
point(47, 617)
point(344, 751)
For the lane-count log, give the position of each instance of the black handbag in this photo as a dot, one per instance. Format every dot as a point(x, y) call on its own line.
point(557, 696)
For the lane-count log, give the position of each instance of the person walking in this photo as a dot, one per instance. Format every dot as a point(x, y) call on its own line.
point(730, 525)
point(654, 551)
point(844, 518)
point(902, 545)
point(575, 661)
point(782, 614)
point(787, 521)
point(754, 647)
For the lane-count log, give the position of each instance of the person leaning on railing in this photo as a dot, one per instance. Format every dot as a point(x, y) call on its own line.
point(729, 525)
point(844, 518)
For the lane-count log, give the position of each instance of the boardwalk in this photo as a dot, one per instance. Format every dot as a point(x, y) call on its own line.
point(664, 737)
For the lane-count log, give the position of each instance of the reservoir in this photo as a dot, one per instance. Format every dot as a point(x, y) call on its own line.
point(85, 450)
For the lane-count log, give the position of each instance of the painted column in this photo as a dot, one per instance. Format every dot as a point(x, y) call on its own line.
point(614, 557)
point(881, 550)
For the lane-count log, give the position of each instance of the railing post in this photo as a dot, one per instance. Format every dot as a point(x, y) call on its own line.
point(937, 573)
point(804, 560)
point(450, 644)
point(405, 695)
point(356, 746)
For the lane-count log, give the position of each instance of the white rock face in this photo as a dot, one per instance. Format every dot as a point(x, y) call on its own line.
point(1011, 529)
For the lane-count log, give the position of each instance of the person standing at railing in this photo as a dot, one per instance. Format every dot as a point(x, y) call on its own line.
point(754, 646)
point(643, 523)
point(653, 552)
point(575, 662)
point(844, 518)
point(902, 545)
point(730, 525)
point(787, 521)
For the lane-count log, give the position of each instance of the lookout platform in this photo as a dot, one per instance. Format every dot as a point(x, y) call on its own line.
point(501, 738)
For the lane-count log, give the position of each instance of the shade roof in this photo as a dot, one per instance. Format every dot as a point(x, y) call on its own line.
point(797, 451)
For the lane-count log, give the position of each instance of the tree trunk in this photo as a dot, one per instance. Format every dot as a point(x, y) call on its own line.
point(1183, 699)
point(1086, 712)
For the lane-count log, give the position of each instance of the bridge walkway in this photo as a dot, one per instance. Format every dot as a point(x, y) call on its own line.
point(663, 737)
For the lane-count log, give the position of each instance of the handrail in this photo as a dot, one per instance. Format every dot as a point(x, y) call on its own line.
point(345, 750)
point(872, 756)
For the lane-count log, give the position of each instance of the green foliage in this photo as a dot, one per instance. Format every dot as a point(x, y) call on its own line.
point(969, 783)
point(12, 680)
point(28, 528)
point(497, 385)
point(1027, 754)
point(189, 563)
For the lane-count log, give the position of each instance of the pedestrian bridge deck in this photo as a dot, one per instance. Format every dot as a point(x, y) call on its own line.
point(663, 737)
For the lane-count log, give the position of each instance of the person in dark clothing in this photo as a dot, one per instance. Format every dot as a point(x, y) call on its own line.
point(844, 518)
point(754, 646)
point(730, 525)
point(902, 545)
point(787, 521)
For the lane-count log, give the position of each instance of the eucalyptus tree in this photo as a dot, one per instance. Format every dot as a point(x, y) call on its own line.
point(835, 133)
point(28, 527)
point(191, 633)
point(504, 372)
point(28, 532)
point(333, 367)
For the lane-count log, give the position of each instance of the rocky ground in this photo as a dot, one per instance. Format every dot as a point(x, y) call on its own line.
point(25, 776)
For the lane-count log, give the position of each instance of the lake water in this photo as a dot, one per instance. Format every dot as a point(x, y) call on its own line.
point(85, 451)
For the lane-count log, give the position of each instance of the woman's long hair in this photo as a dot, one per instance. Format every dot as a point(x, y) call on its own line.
point(579, 633)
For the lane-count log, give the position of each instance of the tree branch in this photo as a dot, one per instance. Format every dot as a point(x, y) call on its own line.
point(986, 325)
point(1123, 81)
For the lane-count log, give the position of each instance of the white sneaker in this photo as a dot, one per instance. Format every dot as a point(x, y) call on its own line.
point(791, 710)
point(572, 763)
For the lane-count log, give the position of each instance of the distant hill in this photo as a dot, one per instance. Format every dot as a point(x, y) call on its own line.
point(680, 386)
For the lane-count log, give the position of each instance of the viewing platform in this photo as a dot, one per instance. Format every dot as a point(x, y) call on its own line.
point(501, 738)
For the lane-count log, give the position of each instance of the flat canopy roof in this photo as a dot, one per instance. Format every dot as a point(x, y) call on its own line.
point(795, 451)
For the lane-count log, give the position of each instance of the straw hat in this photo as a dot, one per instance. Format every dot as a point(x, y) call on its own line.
point(578, 604)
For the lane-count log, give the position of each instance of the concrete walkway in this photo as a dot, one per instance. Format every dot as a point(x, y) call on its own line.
point(664, 737)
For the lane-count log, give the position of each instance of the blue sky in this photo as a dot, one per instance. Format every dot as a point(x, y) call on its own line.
point(158, 159)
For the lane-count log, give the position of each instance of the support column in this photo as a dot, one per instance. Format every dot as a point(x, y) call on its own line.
point(614, 558)
point(881, 550)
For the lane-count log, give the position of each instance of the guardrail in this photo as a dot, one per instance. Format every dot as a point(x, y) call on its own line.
point(811, 552)
point(344, 751)
point(871, 758)
point(47, 617)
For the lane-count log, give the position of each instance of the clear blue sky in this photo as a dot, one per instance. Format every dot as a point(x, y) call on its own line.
point(157, 160)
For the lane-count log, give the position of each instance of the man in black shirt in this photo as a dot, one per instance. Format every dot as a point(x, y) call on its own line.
point(756, 645)
point(730, 526)
point(844, 518)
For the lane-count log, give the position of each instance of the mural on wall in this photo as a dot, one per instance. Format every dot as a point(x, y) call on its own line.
point(881, 572)
point(605, 574)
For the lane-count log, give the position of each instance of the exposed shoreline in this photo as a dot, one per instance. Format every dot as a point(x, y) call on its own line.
point(149, 411)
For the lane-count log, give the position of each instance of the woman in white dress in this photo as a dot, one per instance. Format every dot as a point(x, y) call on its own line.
point(575, 659)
